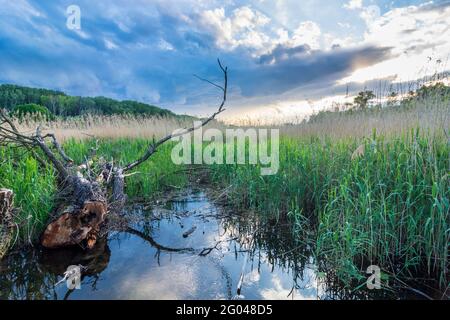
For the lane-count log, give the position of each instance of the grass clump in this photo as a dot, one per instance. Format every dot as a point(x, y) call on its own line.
point(33, 186)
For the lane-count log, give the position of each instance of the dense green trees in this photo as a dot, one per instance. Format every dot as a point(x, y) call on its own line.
point(60, 104)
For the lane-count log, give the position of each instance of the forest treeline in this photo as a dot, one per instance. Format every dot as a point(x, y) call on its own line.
point(60, 104)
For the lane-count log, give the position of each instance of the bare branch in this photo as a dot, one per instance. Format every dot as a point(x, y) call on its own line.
point(62, 170)
point(12, 135)
point(154, 146)
point(58, 147)
point(210, 82)
point(7, 120)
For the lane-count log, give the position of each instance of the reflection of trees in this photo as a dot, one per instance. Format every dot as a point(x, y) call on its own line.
point(33, 274)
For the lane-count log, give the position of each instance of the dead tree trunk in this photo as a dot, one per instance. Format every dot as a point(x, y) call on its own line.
point(81, 218)
point(87, 194)
point(6, 223)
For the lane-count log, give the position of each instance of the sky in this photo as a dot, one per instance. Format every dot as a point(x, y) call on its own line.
point(286, 58)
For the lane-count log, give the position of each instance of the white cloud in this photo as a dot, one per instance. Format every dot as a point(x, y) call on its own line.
point(309, 33)
point(166, 282)
point(249, 29)
point(370, 14)
point(330, 41)
point(242, 28)
point(20, 8)
point(110, 44)
point(353, 4)
point(279, 292)
point(165, 46)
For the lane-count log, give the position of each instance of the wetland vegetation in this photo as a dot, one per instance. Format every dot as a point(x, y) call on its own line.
point(360, 187)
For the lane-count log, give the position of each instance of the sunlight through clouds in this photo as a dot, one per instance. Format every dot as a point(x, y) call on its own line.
point(418, 38)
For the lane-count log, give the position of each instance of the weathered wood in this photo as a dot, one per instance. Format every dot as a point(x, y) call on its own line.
point(84, 214)
point(74, 226)
point(6, 203)
point(6, 230)
point(118, 197)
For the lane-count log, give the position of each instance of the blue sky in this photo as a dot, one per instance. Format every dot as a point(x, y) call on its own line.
point(285, 56)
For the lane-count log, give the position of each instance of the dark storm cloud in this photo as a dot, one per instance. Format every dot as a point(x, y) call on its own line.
point(296, 67)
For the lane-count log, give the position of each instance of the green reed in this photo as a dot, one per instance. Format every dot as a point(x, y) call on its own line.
point(33, 187)
point(388, 207)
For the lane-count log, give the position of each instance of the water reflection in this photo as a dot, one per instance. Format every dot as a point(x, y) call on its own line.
point(151, 259)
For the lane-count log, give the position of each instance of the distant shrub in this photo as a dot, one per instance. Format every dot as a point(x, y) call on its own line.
point(363, 98)
point(438, 90)
point(35, 111)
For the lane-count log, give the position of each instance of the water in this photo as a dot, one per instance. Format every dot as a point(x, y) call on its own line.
point(153, 260)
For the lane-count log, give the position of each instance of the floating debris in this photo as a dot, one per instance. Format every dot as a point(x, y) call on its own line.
point(189, 232)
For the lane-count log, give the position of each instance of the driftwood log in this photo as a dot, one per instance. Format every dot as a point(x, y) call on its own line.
point(6, 223)
point(89, 192)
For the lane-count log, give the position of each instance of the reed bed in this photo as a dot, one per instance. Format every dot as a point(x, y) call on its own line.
point(107, 127)
point(428, 115)
point(389, 206)
point(363, 187)
point(33, 187)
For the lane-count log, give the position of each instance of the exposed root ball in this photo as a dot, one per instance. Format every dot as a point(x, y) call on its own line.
point(74, 226)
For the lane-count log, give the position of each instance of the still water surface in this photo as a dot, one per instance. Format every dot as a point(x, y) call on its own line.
point(187, 248)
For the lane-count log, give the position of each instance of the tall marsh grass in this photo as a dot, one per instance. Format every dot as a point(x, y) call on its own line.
point(33, 187)
point(389, 122)
point(108, 127)
point(389, 206)
point(364, 187)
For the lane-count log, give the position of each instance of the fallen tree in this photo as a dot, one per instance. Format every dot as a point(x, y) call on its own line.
point(88, 192)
